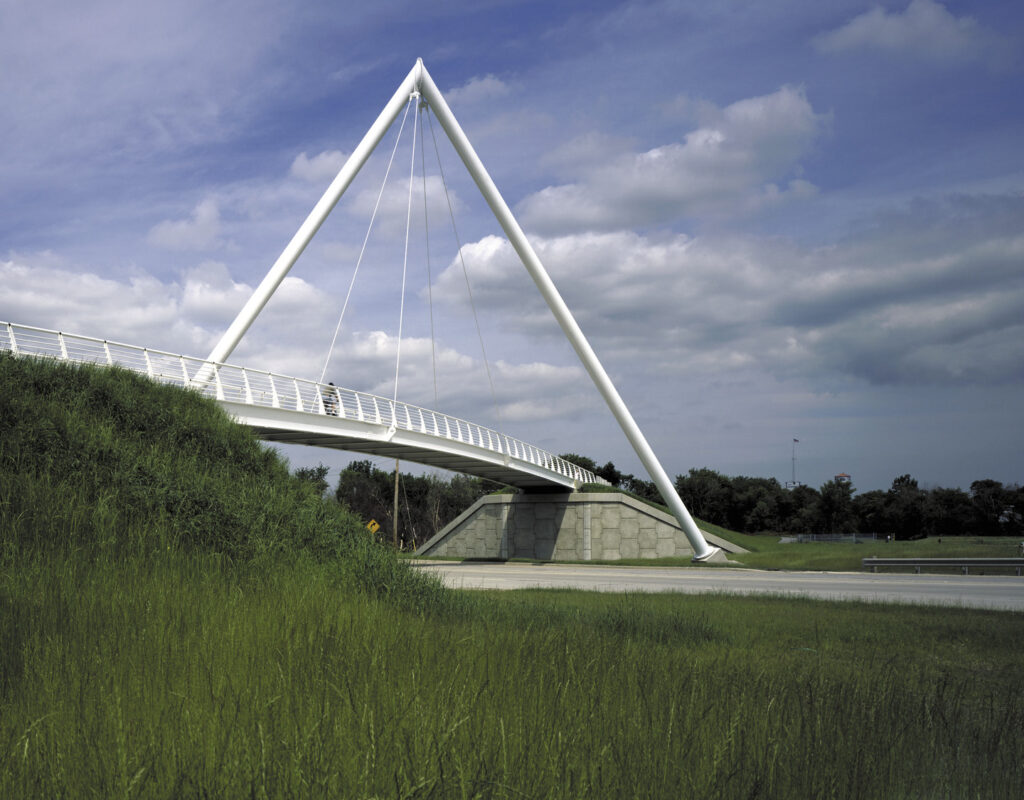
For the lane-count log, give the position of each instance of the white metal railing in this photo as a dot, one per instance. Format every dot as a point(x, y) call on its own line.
point(234, 384)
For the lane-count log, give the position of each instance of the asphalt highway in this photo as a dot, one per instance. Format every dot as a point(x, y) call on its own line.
point(977, 591)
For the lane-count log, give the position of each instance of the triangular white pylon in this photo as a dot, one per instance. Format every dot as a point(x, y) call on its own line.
point(419, 81)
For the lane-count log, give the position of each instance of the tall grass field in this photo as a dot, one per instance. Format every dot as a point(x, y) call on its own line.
point(180, 617)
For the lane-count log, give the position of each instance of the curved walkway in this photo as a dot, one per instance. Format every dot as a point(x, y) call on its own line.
point(283, 409)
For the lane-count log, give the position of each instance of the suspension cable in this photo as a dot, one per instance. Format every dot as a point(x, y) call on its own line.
point(362, 251)
point(426, 236)
point(465, 274)
point(415, 96)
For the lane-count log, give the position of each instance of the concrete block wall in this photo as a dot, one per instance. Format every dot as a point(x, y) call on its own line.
point(563, 527)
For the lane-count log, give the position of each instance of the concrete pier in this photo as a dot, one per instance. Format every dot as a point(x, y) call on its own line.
point(580, 526)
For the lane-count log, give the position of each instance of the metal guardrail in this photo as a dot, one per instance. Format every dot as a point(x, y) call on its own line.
point(964, 564)
point(230, 383)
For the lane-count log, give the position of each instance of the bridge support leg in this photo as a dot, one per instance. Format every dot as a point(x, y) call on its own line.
point(432, 95)
point(419, 79)
point(316, 218)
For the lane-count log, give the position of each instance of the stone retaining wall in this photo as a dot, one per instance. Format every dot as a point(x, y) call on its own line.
point(564, 527)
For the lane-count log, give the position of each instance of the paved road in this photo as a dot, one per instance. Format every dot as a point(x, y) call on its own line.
point(979, 591)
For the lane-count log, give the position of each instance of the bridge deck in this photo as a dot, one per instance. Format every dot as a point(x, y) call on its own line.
point(290, 410)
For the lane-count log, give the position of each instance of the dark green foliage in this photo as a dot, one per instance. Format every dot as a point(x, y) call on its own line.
point(426, 503)
point(315, 476)
point(835, 506)
point(754, 505)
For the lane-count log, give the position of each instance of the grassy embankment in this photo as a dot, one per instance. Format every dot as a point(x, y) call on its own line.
point(181, 618)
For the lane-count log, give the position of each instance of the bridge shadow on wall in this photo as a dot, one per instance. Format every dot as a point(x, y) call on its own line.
point(537, 529)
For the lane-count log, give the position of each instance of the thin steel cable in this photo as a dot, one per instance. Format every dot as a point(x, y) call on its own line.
point(405, 257)
point(426, 237)
point(366, 239)
point(465, 274)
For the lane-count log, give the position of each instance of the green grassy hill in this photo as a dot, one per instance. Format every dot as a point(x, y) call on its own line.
point(104, 463)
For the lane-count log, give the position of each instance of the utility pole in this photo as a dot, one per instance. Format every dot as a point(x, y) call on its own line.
point(395, 516)
point(795, 441)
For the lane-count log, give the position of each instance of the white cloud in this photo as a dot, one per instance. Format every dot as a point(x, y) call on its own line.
point(932, 295)
point(199, 232)
point(926, 29)
point(731, 163)
point(476, 90)
point(321, 168)
point(139, 310)
point(393, 208)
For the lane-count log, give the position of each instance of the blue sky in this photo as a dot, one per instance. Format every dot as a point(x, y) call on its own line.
point(773, 220)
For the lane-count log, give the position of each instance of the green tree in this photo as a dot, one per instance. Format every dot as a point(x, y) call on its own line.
point(610, 474)
point(426, 503)
point(948, 512)
point(835, 507)
point(799, 510)
point(580, 461)
point(904, 508)
point(707, 494)
point(869, 512)
point(315, 477)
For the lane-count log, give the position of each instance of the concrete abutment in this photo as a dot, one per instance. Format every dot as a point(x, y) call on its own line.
point(581, 526)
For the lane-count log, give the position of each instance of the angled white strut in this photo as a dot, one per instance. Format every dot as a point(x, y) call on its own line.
point(419, 80)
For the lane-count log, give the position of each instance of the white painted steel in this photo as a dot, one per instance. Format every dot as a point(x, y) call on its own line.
point(562, 313)
point(288, 409)
point(316, 218)
point(419, 80)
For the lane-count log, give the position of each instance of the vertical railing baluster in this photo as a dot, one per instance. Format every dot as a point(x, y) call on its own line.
point(248, 388)
point(184, 369)
point(149, 364)
point(216, 377)
point(14, 342)
point(63, 346)
point(298, 396)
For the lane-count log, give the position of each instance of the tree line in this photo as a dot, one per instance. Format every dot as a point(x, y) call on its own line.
point(905, 510)
point(741, 503)
point(426, 503)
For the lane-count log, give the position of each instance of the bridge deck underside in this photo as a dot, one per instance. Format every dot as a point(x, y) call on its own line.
point(430, 458)
point(289, 427)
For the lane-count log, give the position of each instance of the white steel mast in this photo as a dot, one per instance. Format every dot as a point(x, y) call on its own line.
point(419, 80)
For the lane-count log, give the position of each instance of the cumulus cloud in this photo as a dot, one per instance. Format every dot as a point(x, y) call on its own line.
point(320, 168)
point(201, 231)
point(933, 295)
point(925, 29)
point(476, 90)
point(393, 208)
point(736, 160)
point(289, 337)
point(138, 310)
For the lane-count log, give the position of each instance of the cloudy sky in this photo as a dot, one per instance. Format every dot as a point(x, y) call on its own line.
point(773, 220)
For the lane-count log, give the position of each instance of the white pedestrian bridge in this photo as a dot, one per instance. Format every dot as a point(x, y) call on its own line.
point(290, 410)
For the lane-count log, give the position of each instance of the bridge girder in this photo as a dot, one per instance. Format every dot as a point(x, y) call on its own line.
point(284, 426)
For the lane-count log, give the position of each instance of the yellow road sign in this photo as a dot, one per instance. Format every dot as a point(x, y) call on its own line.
point(373, 525)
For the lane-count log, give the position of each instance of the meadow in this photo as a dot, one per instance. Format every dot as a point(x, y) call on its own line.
point(168, 648)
